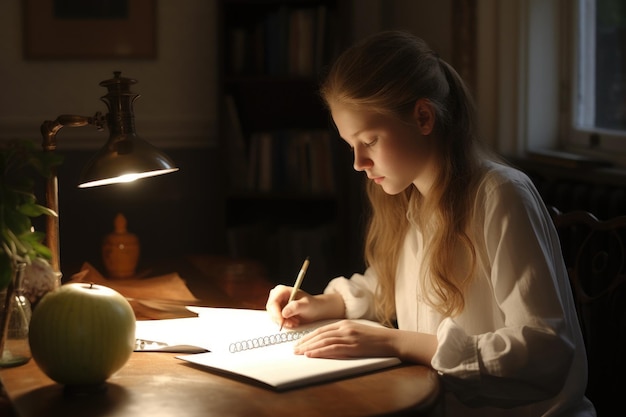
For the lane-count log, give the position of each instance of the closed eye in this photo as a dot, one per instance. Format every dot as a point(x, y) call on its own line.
point(371, 143)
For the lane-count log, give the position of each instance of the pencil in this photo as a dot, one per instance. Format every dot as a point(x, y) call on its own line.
point(296, 286)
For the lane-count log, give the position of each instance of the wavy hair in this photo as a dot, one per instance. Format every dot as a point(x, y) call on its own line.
point(387, 73)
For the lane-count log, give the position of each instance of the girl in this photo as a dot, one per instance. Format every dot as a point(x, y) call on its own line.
point(461, 252)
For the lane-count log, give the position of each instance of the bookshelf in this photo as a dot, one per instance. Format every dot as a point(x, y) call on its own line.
point(287, 171)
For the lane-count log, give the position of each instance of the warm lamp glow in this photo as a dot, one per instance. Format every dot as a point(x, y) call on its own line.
point(125, 178)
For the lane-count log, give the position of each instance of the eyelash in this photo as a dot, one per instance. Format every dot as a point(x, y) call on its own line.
point(366, 144)
point(372, 143)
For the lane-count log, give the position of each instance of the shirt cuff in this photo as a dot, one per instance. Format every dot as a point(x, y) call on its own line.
point(358, 301)
point(457, 352)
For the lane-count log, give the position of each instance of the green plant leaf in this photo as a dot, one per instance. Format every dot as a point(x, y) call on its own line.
point(35, 210)
point(42, 250)
point(21, 162)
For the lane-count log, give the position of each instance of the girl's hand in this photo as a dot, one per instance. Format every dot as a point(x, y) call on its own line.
point(347, 339)
point(305, 308)
point(276, 303)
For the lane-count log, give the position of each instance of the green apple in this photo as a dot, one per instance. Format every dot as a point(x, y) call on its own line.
point(81, 333)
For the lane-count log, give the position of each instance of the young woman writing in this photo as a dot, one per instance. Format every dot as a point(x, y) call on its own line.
point(461, 252)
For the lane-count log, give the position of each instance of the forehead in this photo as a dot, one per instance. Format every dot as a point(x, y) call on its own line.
point(351, 120)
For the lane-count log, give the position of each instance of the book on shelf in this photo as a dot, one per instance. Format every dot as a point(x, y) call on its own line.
point(301, 46)
point(295, 160)
point(291, 161)
point(247, 345)
point(289, 40)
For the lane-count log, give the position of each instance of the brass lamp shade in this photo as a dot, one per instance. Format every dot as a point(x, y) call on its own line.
point(124, 158)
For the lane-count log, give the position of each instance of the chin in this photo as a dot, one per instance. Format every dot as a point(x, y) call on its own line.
point(392, 190)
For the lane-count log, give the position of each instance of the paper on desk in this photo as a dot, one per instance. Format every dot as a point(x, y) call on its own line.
point(274, 362)
point(214, 329)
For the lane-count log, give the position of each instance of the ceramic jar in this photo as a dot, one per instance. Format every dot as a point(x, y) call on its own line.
point(120, 250)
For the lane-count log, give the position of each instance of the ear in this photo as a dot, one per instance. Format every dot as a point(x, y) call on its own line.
point(424, 115)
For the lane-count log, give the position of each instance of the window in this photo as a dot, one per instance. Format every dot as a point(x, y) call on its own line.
point(598, 119)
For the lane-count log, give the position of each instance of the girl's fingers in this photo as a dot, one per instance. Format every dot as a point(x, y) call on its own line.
point(276, 301)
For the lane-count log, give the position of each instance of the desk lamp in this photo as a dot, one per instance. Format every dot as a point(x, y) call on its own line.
point(124, 158)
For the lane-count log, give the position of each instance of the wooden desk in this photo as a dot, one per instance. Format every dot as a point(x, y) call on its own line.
point(159, 385)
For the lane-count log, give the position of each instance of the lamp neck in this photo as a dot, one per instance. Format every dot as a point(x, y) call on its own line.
point(119, 100)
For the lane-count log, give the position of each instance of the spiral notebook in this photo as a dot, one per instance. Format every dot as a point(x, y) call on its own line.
point(246, 345)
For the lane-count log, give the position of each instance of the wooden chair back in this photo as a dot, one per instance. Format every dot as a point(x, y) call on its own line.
point(595, 255)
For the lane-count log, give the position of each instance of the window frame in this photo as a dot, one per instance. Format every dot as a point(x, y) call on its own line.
point(526, 59)
point(580, 137)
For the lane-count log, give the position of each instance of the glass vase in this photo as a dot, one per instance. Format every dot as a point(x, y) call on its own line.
point(15, 316)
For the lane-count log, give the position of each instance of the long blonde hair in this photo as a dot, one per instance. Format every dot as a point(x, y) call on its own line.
point(387, 73)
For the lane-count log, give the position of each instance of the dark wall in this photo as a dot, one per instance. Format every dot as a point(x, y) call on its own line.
point(173, 214)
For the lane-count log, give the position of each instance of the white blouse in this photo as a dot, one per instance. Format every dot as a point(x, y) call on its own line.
point(516, 349)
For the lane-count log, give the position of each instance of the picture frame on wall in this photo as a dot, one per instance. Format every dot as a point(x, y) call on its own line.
point(88, 30)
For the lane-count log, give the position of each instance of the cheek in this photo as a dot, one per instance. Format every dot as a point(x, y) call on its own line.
point(410, 161)
point(411, 151)
point(397, 163)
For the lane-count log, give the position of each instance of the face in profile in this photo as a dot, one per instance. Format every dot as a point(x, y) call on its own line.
point(394, 153)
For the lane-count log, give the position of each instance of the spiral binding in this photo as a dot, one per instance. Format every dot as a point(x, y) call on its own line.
point(264, 341)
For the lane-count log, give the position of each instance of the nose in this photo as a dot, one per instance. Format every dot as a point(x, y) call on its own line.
point(361, 160)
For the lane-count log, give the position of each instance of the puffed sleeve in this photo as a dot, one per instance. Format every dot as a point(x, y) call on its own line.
point(529, 357)
point(357, 293)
